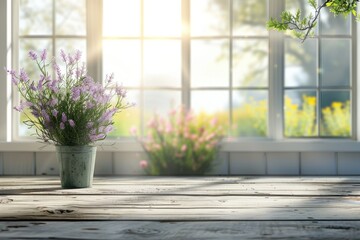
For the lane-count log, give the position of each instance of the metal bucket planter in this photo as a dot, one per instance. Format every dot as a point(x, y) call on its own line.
point(77, 165)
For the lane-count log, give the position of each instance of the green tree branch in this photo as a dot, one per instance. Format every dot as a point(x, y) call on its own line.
point(303, 27)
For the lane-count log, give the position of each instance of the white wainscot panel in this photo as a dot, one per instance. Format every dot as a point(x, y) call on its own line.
point(247, 164)
point(19, 163)
point(283, 163)
point(1, 164)
point(318, 163)
point(128, 163)
point(47, 164)
point(221, 164)
point(349, 163)
point(104, 163)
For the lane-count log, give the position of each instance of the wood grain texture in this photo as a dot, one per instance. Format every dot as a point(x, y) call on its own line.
point(181, 208)
point(155, 230)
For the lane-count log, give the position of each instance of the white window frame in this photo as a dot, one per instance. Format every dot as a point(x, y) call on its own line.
point(275, 141)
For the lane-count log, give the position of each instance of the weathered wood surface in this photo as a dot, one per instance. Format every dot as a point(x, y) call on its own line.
point(137, 230)
point(182, 208)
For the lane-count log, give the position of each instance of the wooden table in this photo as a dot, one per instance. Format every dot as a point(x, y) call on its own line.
point(182, 208)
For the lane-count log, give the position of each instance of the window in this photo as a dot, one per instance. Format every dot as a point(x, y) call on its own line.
point(214, 56)
point(318, 80)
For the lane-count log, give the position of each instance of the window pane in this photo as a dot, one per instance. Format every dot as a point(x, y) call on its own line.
point(212, 103)
point(128, 119)
point(162, 63)
point(300, 63)
point(160, 102)
point(335, 62)
point(250, 113)
point(35, 17)
point(249, 17)
point(250, 63)
point(335, 114)
point(70, 17)
point(162, 17)
point(123, 58)
point(300, 113)
point(209, 63)
point(331, 25)
point(121, 17)
point(209, 17)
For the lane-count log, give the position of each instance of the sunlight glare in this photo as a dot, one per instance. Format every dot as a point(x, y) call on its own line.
point(121, 18)
point(161, 22)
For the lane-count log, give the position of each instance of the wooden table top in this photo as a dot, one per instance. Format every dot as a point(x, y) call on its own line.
point(182, 208)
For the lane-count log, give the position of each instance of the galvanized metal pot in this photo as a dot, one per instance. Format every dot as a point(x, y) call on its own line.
point(77, 165)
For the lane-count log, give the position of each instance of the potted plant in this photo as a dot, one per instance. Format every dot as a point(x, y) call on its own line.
point(70, 110)
point(182, 144)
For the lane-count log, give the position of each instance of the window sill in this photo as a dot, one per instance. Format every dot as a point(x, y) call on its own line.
point(228, 145)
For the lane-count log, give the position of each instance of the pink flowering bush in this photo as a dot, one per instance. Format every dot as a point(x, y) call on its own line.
point(183, 144)
point(67, 108)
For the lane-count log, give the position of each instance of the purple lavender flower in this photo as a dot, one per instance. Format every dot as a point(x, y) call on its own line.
point(53, 85)
point(108, 129)
point(14, 79)
point(62, 126)
point(95, 137)
point(63, 56)
point(43, 55)
point(70, 59)
point(54, 112)
point(72, 123)
point(53, 102)
point(18, 108)
point(40, 83)
point(58, 71)
point(32, 86)
point(107, 115)
point(75, 94)
point(77, 55)
point(23, 105)
point(63, 117)
point(109, 78)
point(120, 91)
point(35, 112)
point(89, 105)
point(33, 55)
point(23, 76)
point(45, 115)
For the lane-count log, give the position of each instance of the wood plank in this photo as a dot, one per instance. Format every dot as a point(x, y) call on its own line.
point(154, 230)
point(210, 189)
point(151, 207)
point(185, 180)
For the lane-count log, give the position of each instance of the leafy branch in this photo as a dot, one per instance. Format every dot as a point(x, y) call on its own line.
point(303, 27)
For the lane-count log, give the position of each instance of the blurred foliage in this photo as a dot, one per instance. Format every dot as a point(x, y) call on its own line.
point(181, 144)
point(300, 121)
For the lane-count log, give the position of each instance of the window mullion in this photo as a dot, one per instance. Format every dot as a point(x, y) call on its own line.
point(94, 38)
point(5, 90)
point(15, 117)
point(276, 74)
point(185, 54)
point(355, 123)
